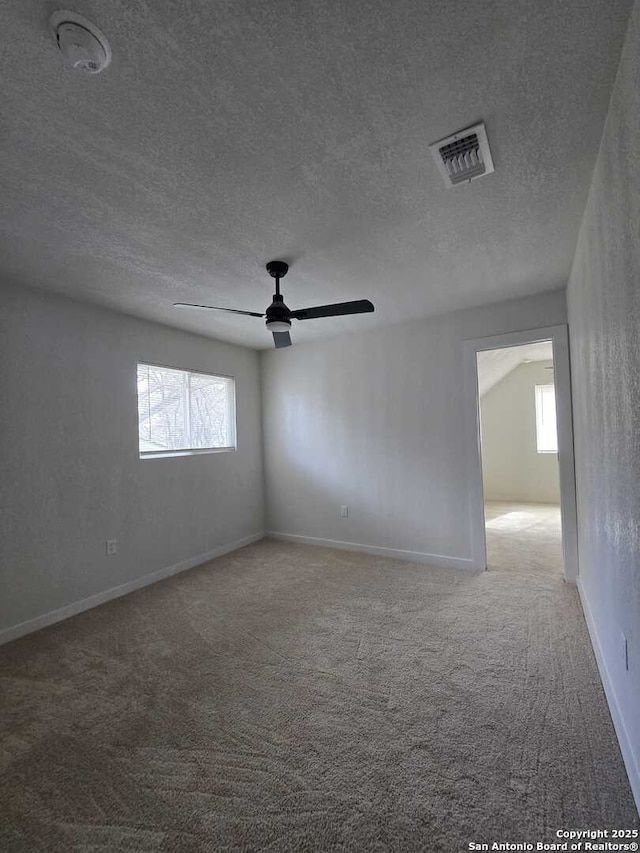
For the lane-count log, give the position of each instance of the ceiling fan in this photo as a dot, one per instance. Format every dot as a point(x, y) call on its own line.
point(279, 315)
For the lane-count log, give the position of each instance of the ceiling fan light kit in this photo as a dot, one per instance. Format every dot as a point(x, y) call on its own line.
point(279, 315)
point(278, 325)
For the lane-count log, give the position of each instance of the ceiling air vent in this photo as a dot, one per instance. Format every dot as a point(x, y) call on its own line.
point(464, 156)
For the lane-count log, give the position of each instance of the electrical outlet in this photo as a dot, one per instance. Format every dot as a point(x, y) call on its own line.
point(344, 511)
point(624, 651)
point(112, 547)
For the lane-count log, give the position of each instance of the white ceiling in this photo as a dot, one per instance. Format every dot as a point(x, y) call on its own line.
point(226, 134)
point(495, 364)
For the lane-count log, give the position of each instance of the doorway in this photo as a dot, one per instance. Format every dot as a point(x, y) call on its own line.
point(521, 444)
point(519, 453)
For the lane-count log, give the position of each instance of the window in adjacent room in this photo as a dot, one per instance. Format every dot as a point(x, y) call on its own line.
point(546, 432)
point(180, 411)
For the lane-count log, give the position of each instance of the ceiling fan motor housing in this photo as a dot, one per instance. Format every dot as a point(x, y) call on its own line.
point(278, 312)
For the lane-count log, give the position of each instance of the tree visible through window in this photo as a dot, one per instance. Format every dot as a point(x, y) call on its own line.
point(546, 430)
point(179, 410)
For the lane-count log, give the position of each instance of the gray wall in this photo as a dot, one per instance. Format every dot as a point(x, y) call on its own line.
point(512, 468)
point(71, 477)
point(376, 421)
point(604, 313)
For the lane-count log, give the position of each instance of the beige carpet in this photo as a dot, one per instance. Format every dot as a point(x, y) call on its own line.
point(524, 539)
point(290, 698)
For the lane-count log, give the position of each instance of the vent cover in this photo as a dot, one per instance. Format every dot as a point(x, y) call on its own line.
point(464, 156)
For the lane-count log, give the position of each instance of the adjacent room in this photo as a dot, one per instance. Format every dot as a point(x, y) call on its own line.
point(320, 481)
point(519, 447)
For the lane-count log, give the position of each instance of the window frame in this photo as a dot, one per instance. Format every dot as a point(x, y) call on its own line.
point(538, 395)
point(191, 451)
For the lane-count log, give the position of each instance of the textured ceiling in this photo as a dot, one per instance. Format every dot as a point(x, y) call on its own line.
point(495, 364)
point(226, 134)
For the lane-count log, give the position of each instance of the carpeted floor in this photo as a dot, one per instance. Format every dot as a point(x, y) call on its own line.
point(290, 698)
point(524, 539)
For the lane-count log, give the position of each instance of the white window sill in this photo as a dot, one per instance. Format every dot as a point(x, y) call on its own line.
point(164, 454)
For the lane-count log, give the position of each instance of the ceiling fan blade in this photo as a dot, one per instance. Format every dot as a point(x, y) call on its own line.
point(359, 306)
point(281, 339)
point(214, 308)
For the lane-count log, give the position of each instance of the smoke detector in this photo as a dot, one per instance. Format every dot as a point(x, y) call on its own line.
point(83, 46)
point(463, 156)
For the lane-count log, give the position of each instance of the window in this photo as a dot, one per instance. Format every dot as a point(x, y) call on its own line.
point(546, 433)
point(184, 412)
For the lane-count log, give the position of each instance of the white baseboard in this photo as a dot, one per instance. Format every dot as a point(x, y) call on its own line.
point(35, 624)
point(626, 746)
point(377, 551)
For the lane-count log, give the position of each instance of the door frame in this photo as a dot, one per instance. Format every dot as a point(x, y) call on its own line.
point(558, 335)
